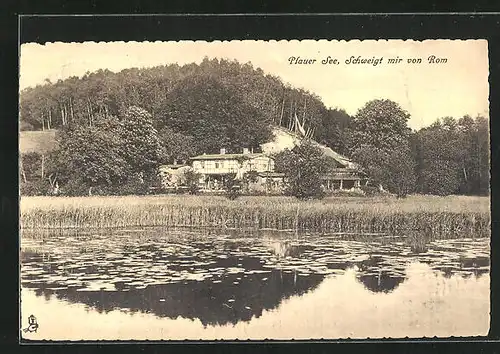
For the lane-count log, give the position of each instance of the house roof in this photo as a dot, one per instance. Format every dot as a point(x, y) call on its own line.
point(344, 161)
point(172, 166)
point(284, 138)
point(37, 141)
point(226, 156)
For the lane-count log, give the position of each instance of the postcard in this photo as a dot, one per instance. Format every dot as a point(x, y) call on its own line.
point(313, 189)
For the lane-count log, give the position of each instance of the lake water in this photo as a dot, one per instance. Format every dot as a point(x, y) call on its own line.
point(190, 284)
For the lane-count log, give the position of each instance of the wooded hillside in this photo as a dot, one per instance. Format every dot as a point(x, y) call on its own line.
point(84, 100)
point(173, 112)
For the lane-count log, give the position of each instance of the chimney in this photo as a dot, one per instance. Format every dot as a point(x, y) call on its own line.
point(245, 151)
point(223, 151)
point(175, 162)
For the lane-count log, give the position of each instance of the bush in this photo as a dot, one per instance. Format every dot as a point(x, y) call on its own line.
point(370, 191)
point(37, 187)
point(347, 193)
point(232, 187)
point(191, 181)
point(75, 187)
point(134, 185)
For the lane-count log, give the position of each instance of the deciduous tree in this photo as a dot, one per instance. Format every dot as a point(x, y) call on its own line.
point(380, 141)
point(382, 124)
point(303, 167)
point(115, 155)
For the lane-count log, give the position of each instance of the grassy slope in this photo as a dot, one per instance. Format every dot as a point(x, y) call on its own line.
point(37, 141)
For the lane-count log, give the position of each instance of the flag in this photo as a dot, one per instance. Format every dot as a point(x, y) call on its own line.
point(299, 126)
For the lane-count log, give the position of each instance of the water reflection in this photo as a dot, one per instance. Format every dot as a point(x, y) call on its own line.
point(377, 279)
point(222, 279)
point(214, 299)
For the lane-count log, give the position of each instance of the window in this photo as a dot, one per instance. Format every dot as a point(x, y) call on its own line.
point(216, 165)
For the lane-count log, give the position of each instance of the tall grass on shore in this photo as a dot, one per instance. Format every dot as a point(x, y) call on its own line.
point(439, 217)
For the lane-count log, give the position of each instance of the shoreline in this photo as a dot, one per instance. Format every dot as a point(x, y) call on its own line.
point(435, 217)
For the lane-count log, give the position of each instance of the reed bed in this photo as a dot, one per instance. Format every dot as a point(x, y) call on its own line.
point(436, 217)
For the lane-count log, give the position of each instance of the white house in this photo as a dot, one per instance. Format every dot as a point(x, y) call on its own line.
point(214, 168)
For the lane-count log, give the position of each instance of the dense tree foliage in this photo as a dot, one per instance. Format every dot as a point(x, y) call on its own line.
point(81, 101)
point(214, 116)
point(380, 142)
point(191, 179)
point(109, 155)
point(193, 109)
point(91, 156)
point(453, 157)
point(449, 157)
point(141, 144)
point(382, 124)
point(108, 144)
point(176, 146)
point(33, 174)
point(303, 167)
point(392, 169)
point(336, 131)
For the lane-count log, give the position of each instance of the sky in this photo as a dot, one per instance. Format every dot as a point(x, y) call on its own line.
point(427, 91)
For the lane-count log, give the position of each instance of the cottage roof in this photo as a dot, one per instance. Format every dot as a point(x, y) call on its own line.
point(226, 156)
point(327, 151)
point(286, 139)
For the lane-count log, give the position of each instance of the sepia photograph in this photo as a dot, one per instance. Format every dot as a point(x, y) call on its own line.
point(234, 190)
